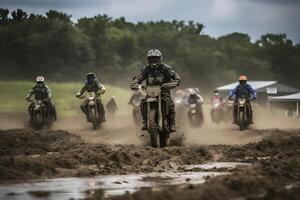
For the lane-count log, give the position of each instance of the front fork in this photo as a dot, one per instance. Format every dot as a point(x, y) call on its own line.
point(159, 115)
point(96, 109)
point(238, 111)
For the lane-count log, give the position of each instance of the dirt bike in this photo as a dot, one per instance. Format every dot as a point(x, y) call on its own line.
point(157, 123)
point(195, 115)
point(41, 115)
point(93, 109)
point(243, 113)
point(216, 111)
point(228, 110)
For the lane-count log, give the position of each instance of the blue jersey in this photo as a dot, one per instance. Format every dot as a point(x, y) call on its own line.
point(237, 90)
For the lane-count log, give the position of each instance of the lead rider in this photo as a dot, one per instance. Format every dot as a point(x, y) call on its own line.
point(156, 73)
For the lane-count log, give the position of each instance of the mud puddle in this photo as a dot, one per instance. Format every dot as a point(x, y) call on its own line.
point(217, 165)
point(109, 185)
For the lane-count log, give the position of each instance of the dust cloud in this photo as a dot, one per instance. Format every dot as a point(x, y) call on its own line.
point(122, 129)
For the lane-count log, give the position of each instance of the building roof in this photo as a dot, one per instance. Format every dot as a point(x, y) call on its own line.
point(291, 97)
point(269, 87)
point(255, 85)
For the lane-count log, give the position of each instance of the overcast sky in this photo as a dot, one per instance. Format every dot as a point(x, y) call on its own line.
point(255, 17)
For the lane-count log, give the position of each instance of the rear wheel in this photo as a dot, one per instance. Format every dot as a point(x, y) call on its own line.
point(152, 128)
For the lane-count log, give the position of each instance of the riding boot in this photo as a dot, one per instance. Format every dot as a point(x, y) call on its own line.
point(30, 111)
point(250, 114)
point(84, 110)
point(251, 117)
point(234, 115)
point(31, 116)
point(101, 111)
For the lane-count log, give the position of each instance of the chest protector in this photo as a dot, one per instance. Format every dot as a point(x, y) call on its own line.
point(93, 87)
point(156, 76)
point(40, 93)
point(243, 92)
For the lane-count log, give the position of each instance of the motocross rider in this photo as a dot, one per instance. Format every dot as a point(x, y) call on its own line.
point(195, 98)
point(243, 89)
point(41, 92)
point(111, 105)
point(157, 73)
point(92, 85)
point(217, 97)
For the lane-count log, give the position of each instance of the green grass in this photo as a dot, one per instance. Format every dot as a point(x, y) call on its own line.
point(13, 93)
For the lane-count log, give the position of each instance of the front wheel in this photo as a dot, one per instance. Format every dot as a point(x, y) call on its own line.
point(152, 127)
point(242, 120)
point(38, 120)
point(94, 120)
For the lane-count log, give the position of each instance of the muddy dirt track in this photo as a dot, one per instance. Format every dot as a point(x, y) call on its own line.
point(116, 149)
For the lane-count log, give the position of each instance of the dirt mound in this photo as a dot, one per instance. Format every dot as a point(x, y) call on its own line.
point(39, 154)
point(28, 142)
point(278, 143)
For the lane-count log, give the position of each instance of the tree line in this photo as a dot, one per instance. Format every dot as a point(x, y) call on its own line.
point(63, 50)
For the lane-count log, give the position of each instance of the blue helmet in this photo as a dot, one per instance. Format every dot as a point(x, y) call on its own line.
point(90, 77)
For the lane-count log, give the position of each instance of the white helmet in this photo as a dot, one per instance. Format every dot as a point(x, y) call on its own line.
point(192, 92)
point(154, 53)
point(40, 79)
point(154, 56)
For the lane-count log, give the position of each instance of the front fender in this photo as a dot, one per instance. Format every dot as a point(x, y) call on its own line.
point(151, 99)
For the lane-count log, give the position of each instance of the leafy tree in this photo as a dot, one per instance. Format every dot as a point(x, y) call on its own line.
point(19, 15)
point(53, 45)
point(4, 16)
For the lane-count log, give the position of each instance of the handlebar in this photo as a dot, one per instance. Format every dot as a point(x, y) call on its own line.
point(169, 85)
point(247, 99)
point(134, 86)
point(81, 97)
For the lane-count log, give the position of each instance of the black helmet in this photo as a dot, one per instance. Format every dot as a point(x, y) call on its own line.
point(154, 56)
point(90, 77)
